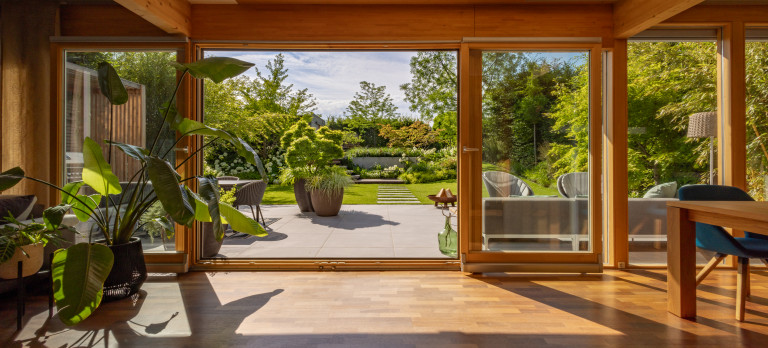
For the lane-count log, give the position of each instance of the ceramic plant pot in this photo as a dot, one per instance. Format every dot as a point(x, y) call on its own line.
point(31, 263)
point(327, 203)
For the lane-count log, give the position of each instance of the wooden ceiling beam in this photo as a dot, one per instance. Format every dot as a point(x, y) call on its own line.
point(170, 15)
point(633, 16)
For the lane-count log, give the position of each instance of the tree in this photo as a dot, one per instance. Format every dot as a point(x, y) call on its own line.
point(433, 86)
point(369, 108)
point(269, 93)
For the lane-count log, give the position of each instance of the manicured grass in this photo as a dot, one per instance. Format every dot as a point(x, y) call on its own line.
point(366, 193)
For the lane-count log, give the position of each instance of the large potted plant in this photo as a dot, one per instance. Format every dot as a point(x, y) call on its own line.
point(308, 153)
point(327, 190)
point(84, 273)
point(25, 242)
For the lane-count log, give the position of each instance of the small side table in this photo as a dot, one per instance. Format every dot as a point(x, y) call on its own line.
point(21, 293)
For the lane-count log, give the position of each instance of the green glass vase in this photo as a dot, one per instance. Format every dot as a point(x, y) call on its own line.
point(448, 239)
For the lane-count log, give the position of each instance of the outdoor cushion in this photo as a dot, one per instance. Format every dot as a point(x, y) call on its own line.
point(665, 190)
point(18, 206)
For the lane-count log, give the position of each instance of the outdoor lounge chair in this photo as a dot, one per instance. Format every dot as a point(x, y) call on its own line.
point(251, 194)
point(227, 178)
point(502, 184)
point(572, 185)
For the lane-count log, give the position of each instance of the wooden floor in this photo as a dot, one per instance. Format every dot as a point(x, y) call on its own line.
point(403, 309)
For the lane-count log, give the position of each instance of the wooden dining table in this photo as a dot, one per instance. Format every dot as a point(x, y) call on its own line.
point(681, 242)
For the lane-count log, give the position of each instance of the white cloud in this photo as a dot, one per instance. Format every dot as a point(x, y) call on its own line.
point(334, 77)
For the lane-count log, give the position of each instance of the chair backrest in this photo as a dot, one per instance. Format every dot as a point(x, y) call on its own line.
point(571, 185)
point(251, 193)
point(227, 178)
point(713, 237)
point(502, 184)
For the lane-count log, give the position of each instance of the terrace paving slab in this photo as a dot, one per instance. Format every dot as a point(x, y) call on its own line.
point(359, 231)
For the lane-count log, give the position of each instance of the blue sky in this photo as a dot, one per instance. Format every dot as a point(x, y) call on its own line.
point(334, 77)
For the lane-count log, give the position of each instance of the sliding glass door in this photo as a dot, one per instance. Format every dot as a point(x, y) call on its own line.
point(530, 147)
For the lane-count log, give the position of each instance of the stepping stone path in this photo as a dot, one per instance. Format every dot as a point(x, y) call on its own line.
point(396, 194)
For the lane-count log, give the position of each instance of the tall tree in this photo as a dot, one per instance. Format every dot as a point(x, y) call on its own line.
point(370, 106)
point(433, 86)
point(269, 93)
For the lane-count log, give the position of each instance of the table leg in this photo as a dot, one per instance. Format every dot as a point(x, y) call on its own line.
point(681, 263)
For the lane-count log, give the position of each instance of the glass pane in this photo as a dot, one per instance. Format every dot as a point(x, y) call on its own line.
point(149, 80)
point(395, 112)
point(535, 151)
point(671, 136)
point(757, 119)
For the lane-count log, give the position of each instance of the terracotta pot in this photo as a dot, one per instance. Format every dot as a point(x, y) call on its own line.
point(303, 198)
point(327, 204)
point(30, 265)
point(211, 246)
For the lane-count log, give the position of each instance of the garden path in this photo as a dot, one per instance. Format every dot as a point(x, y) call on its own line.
point(396, 194)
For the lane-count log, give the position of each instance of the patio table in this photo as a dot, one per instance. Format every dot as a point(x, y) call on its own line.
point(229, 184)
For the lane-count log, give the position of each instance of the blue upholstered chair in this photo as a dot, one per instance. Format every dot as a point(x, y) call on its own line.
point(715, 238)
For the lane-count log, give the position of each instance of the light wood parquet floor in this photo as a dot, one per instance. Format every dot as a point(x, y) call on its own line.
point(403, 309)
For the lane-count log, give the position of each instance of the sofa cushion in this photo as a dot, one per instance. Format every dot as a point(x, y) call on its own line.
point(18, 206)
point(665, 190)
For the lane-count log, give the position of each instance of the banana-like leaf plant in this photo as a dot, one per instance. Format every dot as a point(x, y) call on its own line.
point(116, 209)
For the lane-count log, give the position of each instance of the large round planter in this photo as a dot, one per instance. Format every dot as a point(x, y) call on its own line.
point(30, 265)
point(210, 245)
point(327, 203)
point(302, 196)
point(128, 271)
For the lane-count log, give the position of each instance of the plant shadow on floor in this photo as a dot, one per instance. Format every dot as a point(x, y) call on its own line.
point(351, 219)
point(203, 310)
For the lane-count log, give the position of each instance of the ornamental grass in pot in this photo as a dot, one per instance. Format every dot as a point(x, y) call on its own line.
point(327, 190)
point(115, 209)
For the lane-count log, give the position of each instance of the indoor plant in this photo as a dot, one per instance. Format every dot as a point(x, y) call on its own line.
point(25, 242)
point(80, 271)
point(308, 153)
point(327, 190)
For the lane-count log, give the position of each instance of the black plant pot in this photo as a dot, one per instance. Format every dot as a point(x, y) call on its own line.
point(211, 246)
point(302, 196)
point(128, 271)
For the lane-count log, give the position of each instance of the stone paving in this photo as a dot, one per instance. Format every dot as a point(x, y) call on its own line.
point(359, 231)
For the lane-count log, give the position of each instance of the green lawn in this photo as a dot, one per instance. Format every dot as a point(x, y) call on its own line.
point(366, 193)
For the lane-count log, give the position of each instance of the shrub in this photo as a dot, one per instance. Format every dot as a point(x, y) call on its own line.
point(417, 134)
point(384, 152)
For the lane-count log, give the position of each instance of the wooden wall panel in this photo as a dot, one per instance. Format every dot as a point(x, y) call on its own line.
point(544, 20)
point(104, 20)
point(720, 13)
point(331, 23)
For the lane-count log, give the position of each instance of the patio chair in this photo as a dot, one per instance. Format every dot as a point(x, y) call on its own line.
point(251, 194)
point(715, 238)
point(502, 184)
point(227, 178)
point(572, 185)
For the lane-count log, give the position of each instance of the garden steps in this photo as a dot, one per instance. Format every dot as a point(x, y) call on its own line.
point(395, 194)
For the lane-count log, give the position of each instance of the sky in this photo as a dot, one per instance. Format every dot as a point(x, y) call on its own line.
point(334, 77)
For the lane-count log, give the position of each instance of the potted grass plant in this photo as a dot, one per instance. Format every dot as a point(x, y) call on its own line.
point(112, 265)
point(327, 190)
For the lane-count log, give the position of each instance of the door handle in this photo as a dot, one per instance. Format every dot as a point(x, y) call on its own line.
point(469, 149)
point(184, 149)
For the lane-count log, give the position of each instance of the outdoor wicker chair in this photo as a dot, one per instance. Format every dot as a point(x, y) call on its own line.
point(251, 194)
point(502, 184)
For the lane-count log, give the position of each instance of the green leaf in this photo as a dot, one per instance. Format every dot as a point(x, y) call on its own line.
point(10, 178)
point(170, 194)
point(7, 248)
point(209, 191)
point(110, 84)
point(83, 211)
point(53, 216)
point(133, 151)
point(215, 68)
point(240, 222)
point(72, 189)
point(78, 274)
point(166, 224)
point(97, 173)
point(191, 127)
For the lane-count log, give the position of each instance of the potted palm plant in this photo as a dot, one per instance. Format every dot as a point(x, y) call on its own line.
point(84, 273)
point(308, 156)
